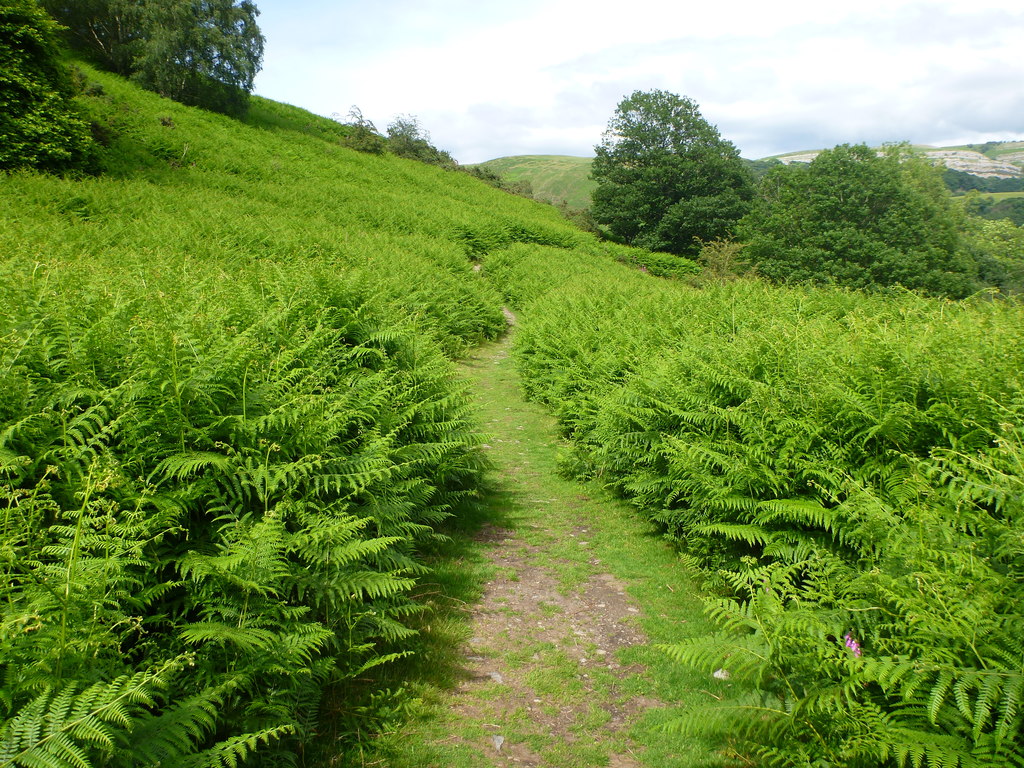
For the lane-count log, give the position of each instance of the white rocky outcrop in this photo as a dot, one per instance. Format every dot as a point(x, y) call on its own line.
point(975, 163)
point(1009, 165)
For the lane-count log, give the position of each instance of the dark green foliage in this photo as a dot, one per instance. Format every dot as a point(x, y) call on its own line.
point(666, 179)
point(960, 182)
point(39, 125)
point(857, 219)
point(105, 30)
point(206, 53)
point(997, 245)
point(199, 52)
point(760, 168)
point(1011, 208)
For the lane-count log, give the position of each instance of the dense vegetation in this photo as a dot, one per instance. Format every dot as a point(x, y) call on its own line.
point(1009, 207)
point(228, 429)
point(229, 433)
point(961, 182)
point(854, 218)
point(200, 52)
point(39, 125)
point(848, 465)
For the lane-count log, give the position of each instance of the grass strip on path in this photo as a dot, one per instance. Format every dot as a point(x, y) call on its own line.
point(552, 665)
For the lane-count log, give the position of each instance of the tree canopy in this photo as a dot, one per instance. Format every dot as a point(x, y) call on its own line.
point(39, 126)
point(859, 218)
point(666, 179)
point(200, 52)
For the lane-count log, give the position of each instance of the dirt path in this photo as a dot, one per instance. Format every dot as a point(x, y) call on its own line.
point(544, 682)
point(555, 669)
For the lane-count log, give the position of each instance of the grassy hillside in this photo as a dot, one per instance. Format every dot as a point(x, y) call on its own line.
point(554, 178)
point(229, 428)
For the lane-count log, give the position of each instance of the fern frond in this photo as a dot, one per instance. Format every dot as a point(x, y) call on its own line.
point(219, 633)
point(65, 728)
point(233, 752)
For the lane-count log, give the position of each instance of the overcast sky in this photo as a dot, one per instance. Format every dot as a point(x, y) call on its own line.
point(490, 78)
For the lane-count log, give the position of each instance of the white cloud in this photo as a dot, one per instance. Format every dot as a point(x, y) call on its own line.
point(544, 76)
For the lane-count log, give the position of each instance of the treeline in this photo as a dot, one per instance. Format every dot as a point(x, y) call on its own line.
point(1011, 208)
point(203, 53)
point(199, 53)
point(961, 182)
point(845, 467)
point(852, 217)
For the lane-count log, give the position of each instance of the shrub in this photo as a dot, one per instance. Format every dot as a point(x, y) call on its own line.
point(39, 125)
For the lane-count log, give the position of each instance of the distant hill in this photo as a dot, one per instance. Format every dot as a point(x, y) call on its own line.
point(994, 159)
point(554, 178)
point(563, 178)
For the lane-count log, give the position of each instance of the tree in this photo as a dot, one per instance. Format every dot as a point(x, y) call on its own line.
point(363, 135)
point(666, 179)
point(989, 207)
point(39, 126)
point(859, 218)
point(407, 138)
point(104, 30)
point(998, 248)
point(204, 53)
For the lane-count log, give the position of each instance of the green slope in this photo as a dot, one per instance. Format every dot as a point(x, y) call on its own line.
point(554, 178)
point(809, 446)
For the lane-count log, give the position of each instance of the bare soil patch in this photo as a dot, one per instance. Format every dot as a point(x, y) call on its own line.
point(526, 625)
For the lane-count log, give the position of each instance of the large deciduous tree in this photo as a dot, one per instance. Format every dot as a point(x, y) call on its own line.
point(200, 52)
point(859, 218)
point(666, 179)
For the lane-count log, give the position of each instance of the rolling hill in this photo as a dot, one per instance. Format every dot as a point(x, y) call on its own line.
point(1003, 159)
point(554, 178)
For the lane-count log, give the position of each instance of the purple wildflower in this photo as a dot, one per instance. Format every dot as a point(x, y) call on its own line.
point(852, 644)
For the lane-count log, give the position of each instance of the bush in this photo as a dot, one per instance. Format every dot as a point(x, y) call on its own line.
point(362, 135)
point(39, 125)
point(408, 139)
point(855, 219)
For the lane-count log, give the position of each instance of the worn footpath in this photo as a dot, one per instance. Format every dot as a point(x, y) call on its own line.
point(557, 669)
